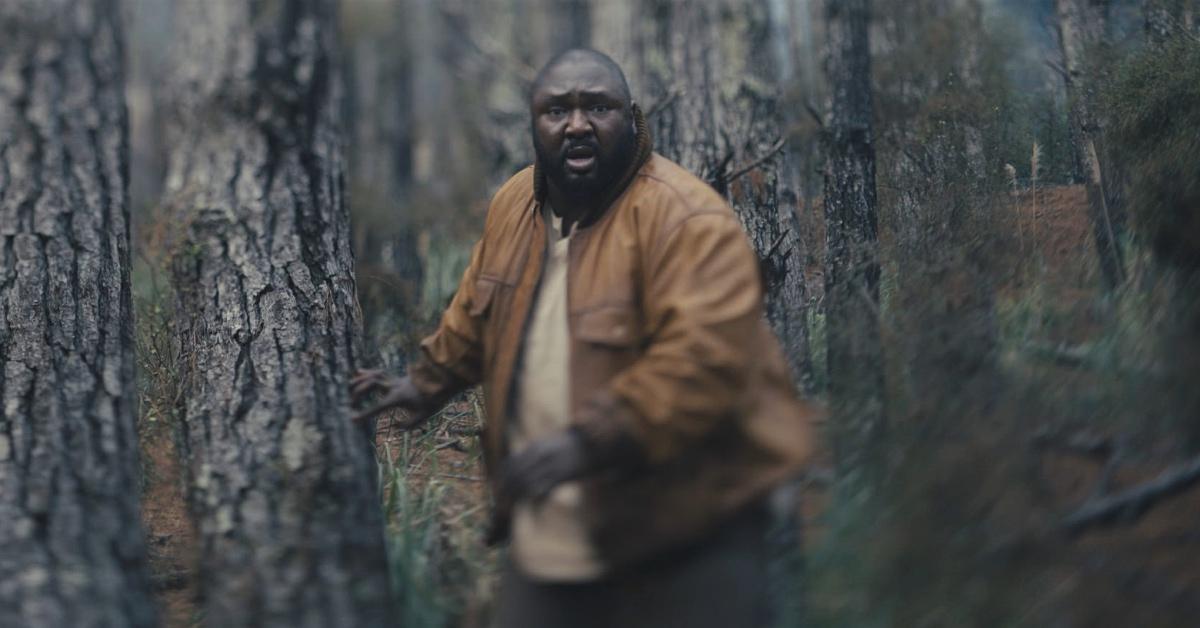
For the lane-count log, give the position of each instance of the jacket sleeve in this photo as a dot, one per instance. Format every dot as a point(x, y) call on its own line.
point(451, 357)
point(703, 307)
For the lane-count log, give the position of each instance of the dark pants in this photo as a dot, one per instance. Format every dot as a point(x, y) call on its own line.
point(719, 582)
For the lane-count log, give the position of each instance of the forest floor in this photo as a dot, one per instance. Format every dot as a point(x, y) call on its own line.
point(1109, 570)
point(169, 532)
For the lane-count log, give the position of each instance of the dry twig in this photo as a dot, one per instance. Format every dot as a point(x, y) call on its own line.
point(770, 152)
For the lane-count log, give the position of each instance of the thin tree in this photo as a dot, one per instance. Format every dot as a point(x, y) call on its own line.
point(71, 546)
point(281, 483)
point(852, 249)
point(1081, 26)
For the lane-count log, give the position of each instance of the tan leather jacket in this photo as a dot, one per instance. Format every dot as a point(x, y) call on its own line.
point(668, 345)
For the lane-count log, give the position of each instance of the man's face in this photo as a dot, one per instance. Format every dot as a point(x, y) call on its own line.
point(582, 127)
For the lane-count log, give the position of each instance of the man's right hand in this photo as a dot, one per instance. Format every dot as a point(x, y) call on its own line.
point(397, 392)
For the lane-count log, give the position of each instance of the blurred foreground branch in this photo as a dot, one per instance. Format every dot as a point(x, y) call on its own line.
point(1131, 504)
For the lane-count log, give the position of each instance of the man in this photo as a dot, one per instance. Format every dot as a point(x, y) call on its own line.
point(638, 406)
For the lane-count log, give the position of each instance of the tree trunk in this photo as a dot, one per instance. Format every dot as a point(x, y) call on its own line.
point(281, 483)
point(852, 250)
point(71, 547)
point(1081, 24)
point(707, 88)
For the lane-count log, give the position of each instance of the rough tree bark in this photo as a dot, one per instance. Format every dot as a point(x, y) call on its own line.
point(1081, 25)
point(71, 547)
point(707, 85)
point(852, 250)
point(281, 483)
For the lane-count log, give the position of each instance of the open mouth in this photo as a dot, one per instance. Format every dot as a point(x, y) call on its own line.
point(580, 159)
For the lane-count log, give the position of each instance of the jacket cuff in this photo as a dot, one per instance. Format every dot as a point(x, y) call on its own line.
point(435, 383)
point(608, 427)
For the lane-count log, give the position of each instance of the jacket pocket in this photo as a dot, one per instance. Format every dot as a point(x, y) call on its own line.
point(614, 326)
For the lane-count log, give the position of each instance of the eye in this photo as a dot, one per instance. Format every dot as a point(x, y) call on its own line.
point(600, 108)
point(556, 111)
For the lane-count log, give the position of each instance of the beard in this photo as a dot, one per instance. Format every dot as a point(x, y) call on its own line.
point(587, 186)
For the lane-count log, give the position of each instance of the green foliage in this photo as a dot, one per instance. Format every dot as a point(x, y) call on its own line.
point(1154, 108)
point(1154, 105)
point(947, 521)
point(155, 347)
point(413, 536)
point(413, 540)
point(841, 561)
point(436, 558)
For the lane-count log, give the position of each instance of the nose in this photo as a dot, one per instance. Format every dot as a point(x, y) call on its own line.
point(577, 124)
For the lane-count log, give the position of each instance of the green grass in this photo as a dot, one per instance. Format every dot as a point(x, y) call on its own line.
point(439, 567)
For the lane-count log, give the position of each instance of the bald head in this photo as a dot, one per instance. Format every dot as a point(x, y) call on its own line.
point(570, 64)
point(583, 126)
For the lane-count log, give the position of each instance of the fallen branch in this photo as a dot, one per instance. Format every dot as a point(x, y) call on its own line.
point(1129, 505)
point(1084, 444)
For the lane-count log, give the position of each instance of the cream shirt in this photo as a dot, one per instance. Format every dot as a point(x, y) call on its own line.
point(549, 541)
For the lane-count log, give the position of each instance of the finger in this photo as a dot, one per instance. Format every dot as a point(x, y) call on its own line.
point(370, 412)
point(365, 376)
point(365, 386)
point(362, 375)
point(408, 421)
point(367, 372)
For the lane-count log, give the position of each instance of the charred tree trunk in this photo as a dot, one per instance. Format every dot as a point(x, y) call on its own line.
point(1081, 24)
point(852, 250)
point(71, 547)
point(711, 104)
point(281, 483)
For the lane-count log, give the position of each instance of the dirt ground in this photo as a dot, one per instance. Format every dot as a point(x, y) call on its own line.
point(169, 532)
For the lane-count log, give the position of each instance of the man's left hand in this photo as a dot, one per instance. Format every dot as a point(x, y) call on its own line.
point(544, 464)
